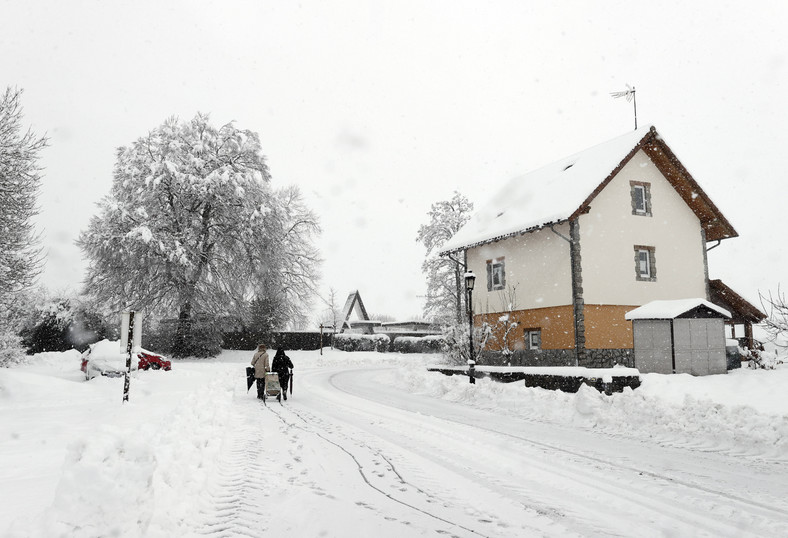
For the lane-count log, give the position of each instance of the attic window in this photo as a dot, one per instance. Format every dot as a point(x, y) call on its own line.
point(641, 198)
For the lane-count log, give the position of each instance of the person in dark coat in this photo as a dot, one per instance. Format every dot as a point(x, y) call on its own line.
point(282, 366)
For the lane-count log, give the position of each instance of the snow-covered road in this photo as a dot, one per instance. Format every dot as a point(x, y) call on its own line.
point(352, 455)
point(373, 445)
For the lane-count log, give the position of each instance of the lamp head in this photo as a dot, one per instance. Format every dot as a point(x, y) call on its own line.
point(470, 280)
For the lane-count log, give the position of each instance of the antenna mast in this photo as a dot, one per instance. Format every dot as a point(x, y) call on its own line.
point(630, 95)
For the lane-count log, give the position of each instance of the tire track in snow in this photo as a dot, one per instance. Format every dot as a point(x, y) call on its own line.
point(368, 480)
point(236, 498)
point(686, 512)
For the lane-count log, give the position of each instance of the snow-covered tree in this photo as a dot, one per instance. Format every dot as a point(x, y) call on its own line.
point(20, 255)
point(20, 177)
point(445, 289)
point(192, 227)
point(62, 321)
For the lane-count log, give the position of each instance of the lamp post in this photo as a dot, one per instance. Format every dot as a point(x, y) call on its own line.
point(470, 280)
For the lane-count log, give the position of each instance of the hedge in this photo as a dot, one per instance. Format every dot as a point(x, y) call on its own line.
point(361, 342)
point(419, 344)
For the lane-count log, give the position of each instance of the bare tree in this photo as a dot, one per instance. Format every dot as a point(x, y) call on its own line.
point(776, 322)
point(506, 324)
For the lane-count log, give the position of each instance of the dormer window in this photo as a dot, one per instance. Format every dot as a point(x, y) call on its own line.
point(641, 198)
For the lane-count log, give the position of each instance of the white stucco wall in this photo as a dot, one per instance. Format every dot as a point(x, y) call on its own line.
point(536, 263)
point(609, 232)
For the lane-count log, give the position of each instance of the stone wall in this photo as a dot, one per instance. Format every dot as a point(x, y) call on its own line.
point(529, 357)
point(607, 358)
point(594, 358)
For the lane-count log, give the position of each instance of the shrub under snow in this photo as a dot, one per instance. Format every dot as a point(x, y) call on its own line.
point(419, 344)
point(361, 342)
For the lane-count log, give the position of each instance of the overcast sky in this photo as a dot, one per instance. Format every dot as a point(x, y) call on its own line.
point(378, 109)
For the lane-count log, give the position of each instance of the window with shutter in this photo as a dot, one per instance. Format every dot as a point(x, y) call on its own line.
point(496, 274)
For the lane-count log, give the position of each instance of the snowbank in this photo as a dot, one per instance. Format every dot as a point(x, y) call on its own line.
point(97, 467)
point(139, 481)
point(743, 412)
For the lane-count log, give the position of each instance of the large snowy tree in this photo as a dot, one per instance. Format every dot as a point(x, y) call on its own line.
point(20, 177)
point(192, 228)
point(20, 255)
point(445, 298)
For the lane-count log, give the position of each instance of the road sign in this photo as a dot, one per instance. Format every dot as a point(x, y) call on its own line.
point(130, 339)
point(124, 330)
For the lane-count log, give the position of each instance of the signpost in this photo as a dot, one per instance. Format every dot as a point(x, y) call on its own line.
point(130, 338)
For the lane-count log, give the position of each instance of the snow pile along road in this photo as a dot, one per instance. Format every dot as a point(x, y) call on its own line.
point(743, 412)
point(139, 481)
point(374, 443)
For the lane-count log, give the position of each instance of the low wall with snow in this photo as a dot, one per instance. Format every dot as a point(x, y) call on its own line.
point(566, 379)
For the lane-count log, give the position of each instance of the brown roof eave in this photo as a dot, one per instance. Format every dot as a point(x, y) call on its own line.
point(739, 306)
point(713, 221)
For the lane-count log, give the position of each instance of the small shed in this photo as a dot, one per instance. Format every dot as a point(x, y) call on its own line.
point(680, 336)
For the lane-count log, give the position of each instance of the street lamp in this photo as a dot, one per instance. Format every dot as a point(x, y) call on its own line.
point(470, 280)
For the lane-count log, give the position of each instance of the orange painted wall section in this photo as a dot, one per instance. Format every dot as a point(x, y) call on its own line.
point(606, 327)
point(556, 324)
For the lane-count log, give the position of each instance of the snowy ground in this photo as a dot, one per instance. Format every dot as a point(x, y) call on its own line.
point(372, 444)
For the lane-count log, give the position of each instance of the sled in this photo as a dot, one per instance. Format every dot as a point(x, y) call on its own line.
point(272, 387)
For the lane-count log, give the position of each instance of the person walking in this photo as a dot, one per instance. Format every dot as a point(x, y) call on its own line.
point(282, 366)
point(260, 363)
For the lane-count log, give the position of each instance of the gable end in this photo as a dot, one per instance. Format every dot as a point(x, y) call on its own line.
point(712, 220)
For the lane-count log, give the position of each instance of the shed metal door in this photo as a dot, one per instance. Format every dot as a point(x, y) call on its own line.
point(700, 346)
point(652, 346)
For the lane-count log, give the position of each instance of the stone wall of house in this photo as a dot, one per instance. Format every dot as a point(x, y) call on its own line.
point(529, 357)
point(594, 358)
point(607, 358)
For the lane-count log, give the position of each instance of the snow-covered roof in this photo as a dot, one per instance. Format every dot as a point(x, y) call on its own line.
point(558, 191)
point(672, 309)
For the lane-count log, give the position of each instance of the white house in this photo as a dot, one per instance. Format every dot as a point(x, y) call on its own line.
point(568, 249)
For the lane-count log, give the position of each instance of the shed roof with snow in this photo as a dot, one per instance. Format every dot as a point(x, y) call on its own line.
point(677, 308)
point(565, 189)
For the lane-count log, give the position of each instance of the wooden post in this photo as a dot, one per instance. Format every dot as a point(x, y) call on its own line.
point(321, 338)
point(129, 351)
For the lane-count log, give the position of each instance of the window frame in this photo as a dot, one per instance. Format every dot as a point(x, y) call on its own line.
point(496, 265)
point(645, 188)
point(650, 252)
point(529, 334)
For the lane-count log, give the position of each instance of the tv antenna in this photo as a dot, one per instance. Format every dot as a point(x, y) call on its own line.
point(630, 96)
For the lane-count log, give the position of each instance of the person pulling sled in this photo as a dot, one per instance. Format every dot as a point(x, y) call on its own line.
point(283, 366)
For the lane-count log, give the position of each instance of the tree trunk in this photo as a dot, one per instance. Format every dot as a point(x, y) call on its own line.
point(181, 347)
